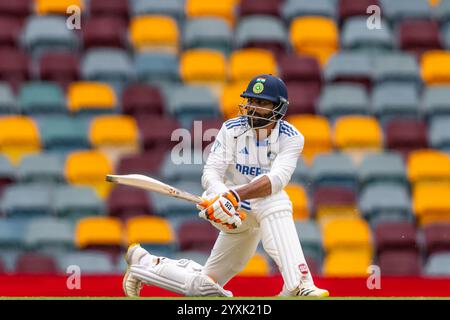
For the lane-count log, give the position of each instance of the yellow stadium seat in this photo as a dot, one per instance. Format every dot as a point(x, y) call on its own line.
point(19, 136)
point(216, 9)
point(299, 200)
point(247, 63)
point(231, 99)
point(149, 230)
point(434, 3)
point(347, 233)
point(347, 263)
point(435, 67)
point(154, 33)
point(89, 168)
point(315, 36)
point(56, 7)
point(431, 203)
point(317, 133)
point(427, 165)
point(94, 231)
point(115, 135)
point(202, 65)
point(258, 266)
point(325, 214)
point(91, 96)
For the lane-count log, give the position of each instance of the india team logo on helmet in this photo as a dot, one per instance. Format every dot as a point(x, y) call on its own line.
point(259, 85)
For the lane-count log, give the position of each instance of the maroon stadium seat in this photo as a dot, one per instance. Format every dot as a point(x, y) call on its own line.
point(333, 196)
point(36, 263)
point(113, 8)
point(16, 8)
point(276, 47)
point(437, 237)
point(302, 97)
point(300, 69)
point(10, 29)
point(396, 236)
point(418, 36)
point(126, 202)
point(142, 99)
point(148, 162)
point(104, 32)
point(14, 67)
point(157, 130)
point(206, 124)
point(405, 135)
point(266, 7)
point(350, 8)
point(399, 263)
point(197, 235)
point(2, 266)
point(61, 67)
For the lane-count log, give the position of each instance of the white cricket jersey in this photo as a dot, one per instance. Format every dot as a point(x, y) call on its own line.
point(237, 157)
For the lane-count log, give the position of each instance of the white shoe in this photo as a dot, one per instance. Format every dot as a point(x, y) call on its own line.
point(131, 285)
point(312, 291)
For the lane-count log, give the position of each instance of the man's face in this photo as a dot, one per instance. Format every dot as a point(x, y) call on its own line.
point(259, 111)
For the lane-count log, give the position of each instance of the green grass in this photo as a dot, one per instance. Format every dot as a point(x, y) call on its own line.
point(214, 298)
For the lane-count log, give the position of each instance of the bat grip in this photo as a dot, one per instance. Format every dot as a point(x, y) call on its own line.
point(205, 203)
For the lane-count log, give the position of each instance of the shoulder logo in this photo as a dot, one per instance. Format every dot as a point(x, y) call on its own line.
point(244, 151)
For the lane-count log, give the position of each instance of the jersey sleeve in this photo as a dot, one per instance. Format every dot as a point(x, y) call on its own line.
point(284, 164)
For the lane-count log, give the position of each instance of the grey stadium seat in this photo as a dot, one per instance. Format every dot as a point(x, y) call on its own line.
point(356, 35)
point(27, 200)
point(11, 233)
point(439, 133)
point(41, 167)
point(49, 233)
point(436, 101)
point(438, 264)
point(88, 262)
point(382, 167)
point(8, 103)
point(441, 12)
point(7, 171)
point(301, 173)
point(333, 169)
point(190, 171)
point(298, 8)
point(396, 11)
point(445, 32)
point(47, 33)
point(343, 99)
point(77, 201)
point(173, 8)
point(42, 97)
point(394, 100)
point(155, 68)
point(348, 64)
point(311, 239)
point(396, 67)
point(260, 28)
point(208, 33)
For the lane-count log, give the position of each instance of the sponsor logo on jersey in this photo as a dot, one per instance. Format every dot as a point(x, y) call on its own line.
point(244, 150)
point(250, 171)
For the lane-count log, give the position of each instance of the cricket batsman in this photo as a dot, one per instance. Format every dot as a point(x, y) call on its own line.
point(251, 162)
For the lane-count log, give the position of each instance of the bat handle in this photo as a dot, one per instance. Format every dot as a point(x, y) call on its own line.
point(205, 203)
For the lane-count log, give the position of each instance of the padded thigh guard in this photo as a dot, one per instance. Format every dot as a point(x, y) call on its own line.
point(180, 276)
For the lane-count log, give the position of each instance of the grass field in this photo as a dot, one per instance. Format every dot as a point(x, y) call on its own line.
point(224, 299)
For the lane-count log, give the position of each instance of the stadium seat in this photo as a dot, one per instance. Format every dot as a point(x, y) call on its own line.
point(245, 63)
point(116, 8)
point(441, 11)
point(385, 201)
point(333, 169)
point(94, 263)
point(14, 67)
point(435, 67)
point(419, 36)
point(438, 265)
point(445, 34)
point(49, 234)
point(41, 167)
point(140, 99)
point(347, 234)
point(173, 8)
point(314, 36)
point(63, 133)
point(208, 33)
point(397, 11)
point(151, 233)
point(349, 67)
point(98, 232)
point(316, 131)
point(333, 202)
point(382, 167)
point(60, 67)
point(8, 102)
point(310, 237)
point(154, 32)
point(10, 29)
point(356, 36)
point(428, 165)
point(196, 236)
point(156, 67)
point(406, 135)
point(125, 202)
point(302, 97)
point(400, 263)
point(147, 163)
point(292, 9)
point(206, 131)
point(89, 168)
point(431, 203)
point(343, 99)
point(76, 202)
point(19, 136)
point(47, 7)
point(301, 173)
point(436, 238)
point(350, 8)
point(48, 33)
point(156, 130)
point(182, 169)
point(35, 263)
point(115, 135)
point(230, 99)
point(256, 7)
point(299, 199)
point(202, 66)
point(259, 31)
point(396, 236)
point(18, 9)
point(300, 68)
point(11, 233)
point(104, 31)
point(438, 133)
point(347, 263)
point(398, 67)
point(26, 200)
point(394, 101)
point(204, 8)
point(42, 98)
point(7, 173)
point(91, 98)
point(257, 266)
point(435, 101)
point(173, 207)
